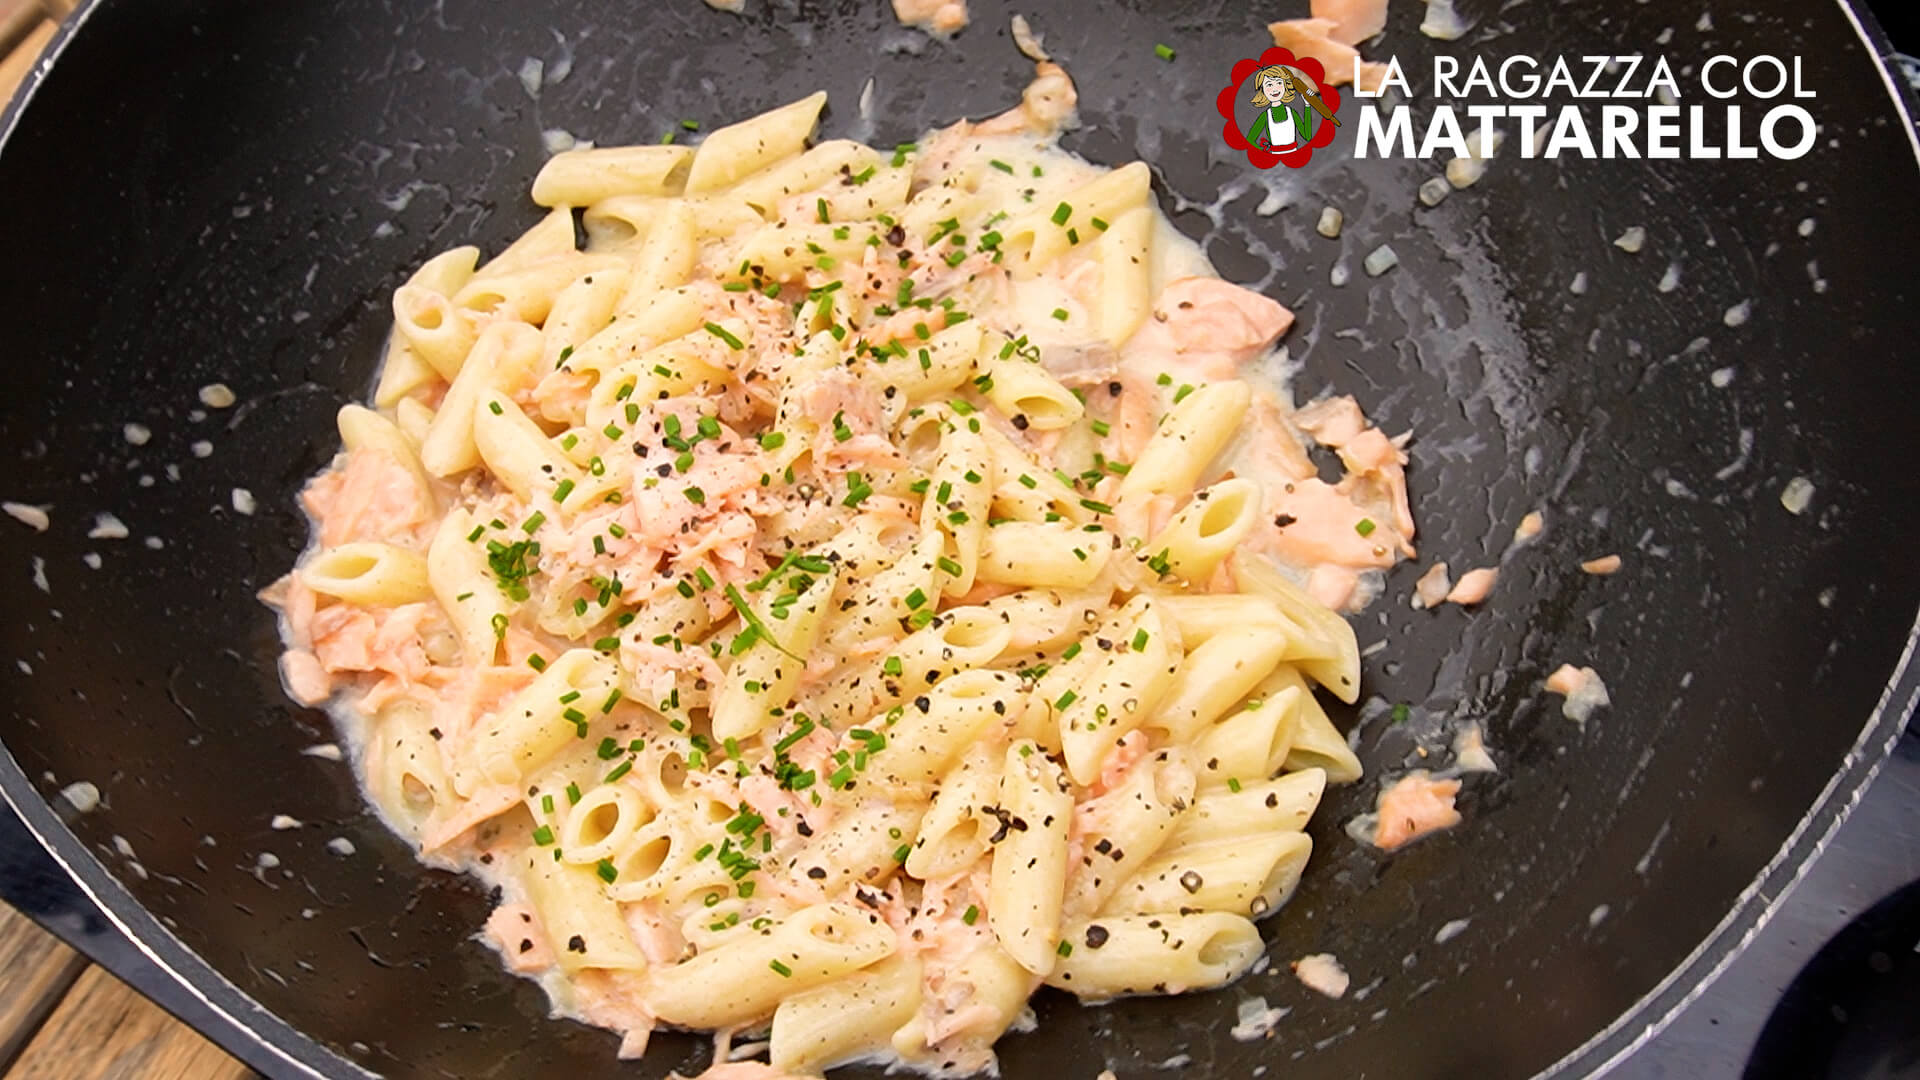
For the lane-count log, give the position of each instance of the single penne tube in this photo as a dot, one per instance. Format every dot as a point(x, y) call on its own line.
point(406, 773)
point(1317, 744)
point(1029, 874)
point(1127, 826)
point(581, 310)
point(958, 639)
point(458, 574)
point(847, 1020)
point(1043, 555)
point(736, 151)
point(886, 604)
point(439, 332)
point(747, 977)
point(447, 271)
point(1338, 669)
point(867, 839)
point(1200, 616)
point(765, 672)
point(954, 833)
point(1187, 441)
point(601, 824)
point(657, 318)
point(787, 252)
point(923, 371)
point(620, 222)
point(401, 373)
point(1122, 692)
point(822, 165)
point(935, 728)
point(1030, 493)
point(363, 429)
point(1212, 679)
point(527, 293)
point(369, 574)
point(1125, 252)
point(654, 857)
point(1117, 955)
point(517, 452)
point(413, 417)
point(530, 727)
point(1211, 527)
point(1044, 619)
point(1023, 389)
point(1251, 874)
point(582, 926)
point(884, 191)
point(665, 258)
point(1283, 804)
point(1249, 743)
point(585, 177)
point(1037, 237)
point(551, 236)
point(449, 447)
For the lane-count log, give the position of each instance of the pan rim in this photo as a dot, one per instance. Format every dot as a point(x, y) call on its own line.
point(1755, 906)
point(270, 1044)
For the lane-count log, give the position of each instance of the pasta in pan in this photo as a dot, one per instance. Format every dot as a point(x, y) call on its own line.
point(858, 588)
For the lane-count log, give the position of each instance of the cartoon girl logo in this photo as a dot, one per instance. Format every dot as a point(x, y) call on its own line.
point(1296, 109)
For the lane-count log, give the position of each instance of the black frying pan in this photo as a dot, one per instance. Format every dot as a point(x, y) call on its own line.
point(217, 190)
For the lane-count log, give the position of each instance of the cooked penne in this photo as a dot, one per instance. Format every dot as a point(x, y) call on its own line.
point(831, 592)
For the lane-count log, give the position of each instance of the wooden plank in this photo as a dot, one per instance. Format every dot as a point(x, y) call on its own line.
point(17, 19)
point(35, 970)
point(104, 1030)
point(14, 69)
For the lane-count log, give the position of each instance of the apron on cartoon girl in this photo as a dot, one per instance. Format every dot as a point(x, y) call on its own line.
point(1285, 119)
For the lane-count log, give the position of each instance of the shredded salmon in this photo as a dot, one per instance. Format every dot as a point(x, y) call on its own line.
point(1416, 804)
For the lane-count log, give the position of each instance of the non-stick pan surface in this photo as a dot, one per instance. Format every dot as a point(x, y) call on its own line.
point(224, 191)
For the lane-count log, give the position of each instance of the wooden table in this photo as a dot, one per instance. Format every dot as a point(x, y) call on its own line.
point(62, 1018)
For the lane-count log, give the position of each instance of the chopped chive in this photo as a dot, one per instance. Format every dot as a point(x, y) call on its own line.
point(1139, 640)
point(1364, 527)
point(562, 489)
point(772, 440)
point(1060, 313)
point(1066, 699)
point(1061, 213)
point(723, 334)
point(494, 408)
point(1164, 52)
point(971, 915)
point(1096, 506)
point(753, 621)
point(949, 566)
point(780, 969)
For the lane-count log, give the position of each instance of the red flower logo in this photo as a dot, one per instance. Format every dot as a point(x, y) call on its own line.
point(1300, 153)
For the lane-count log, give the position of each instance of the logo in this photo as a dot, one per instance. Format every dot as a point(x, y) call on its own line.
point(1278, 109)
